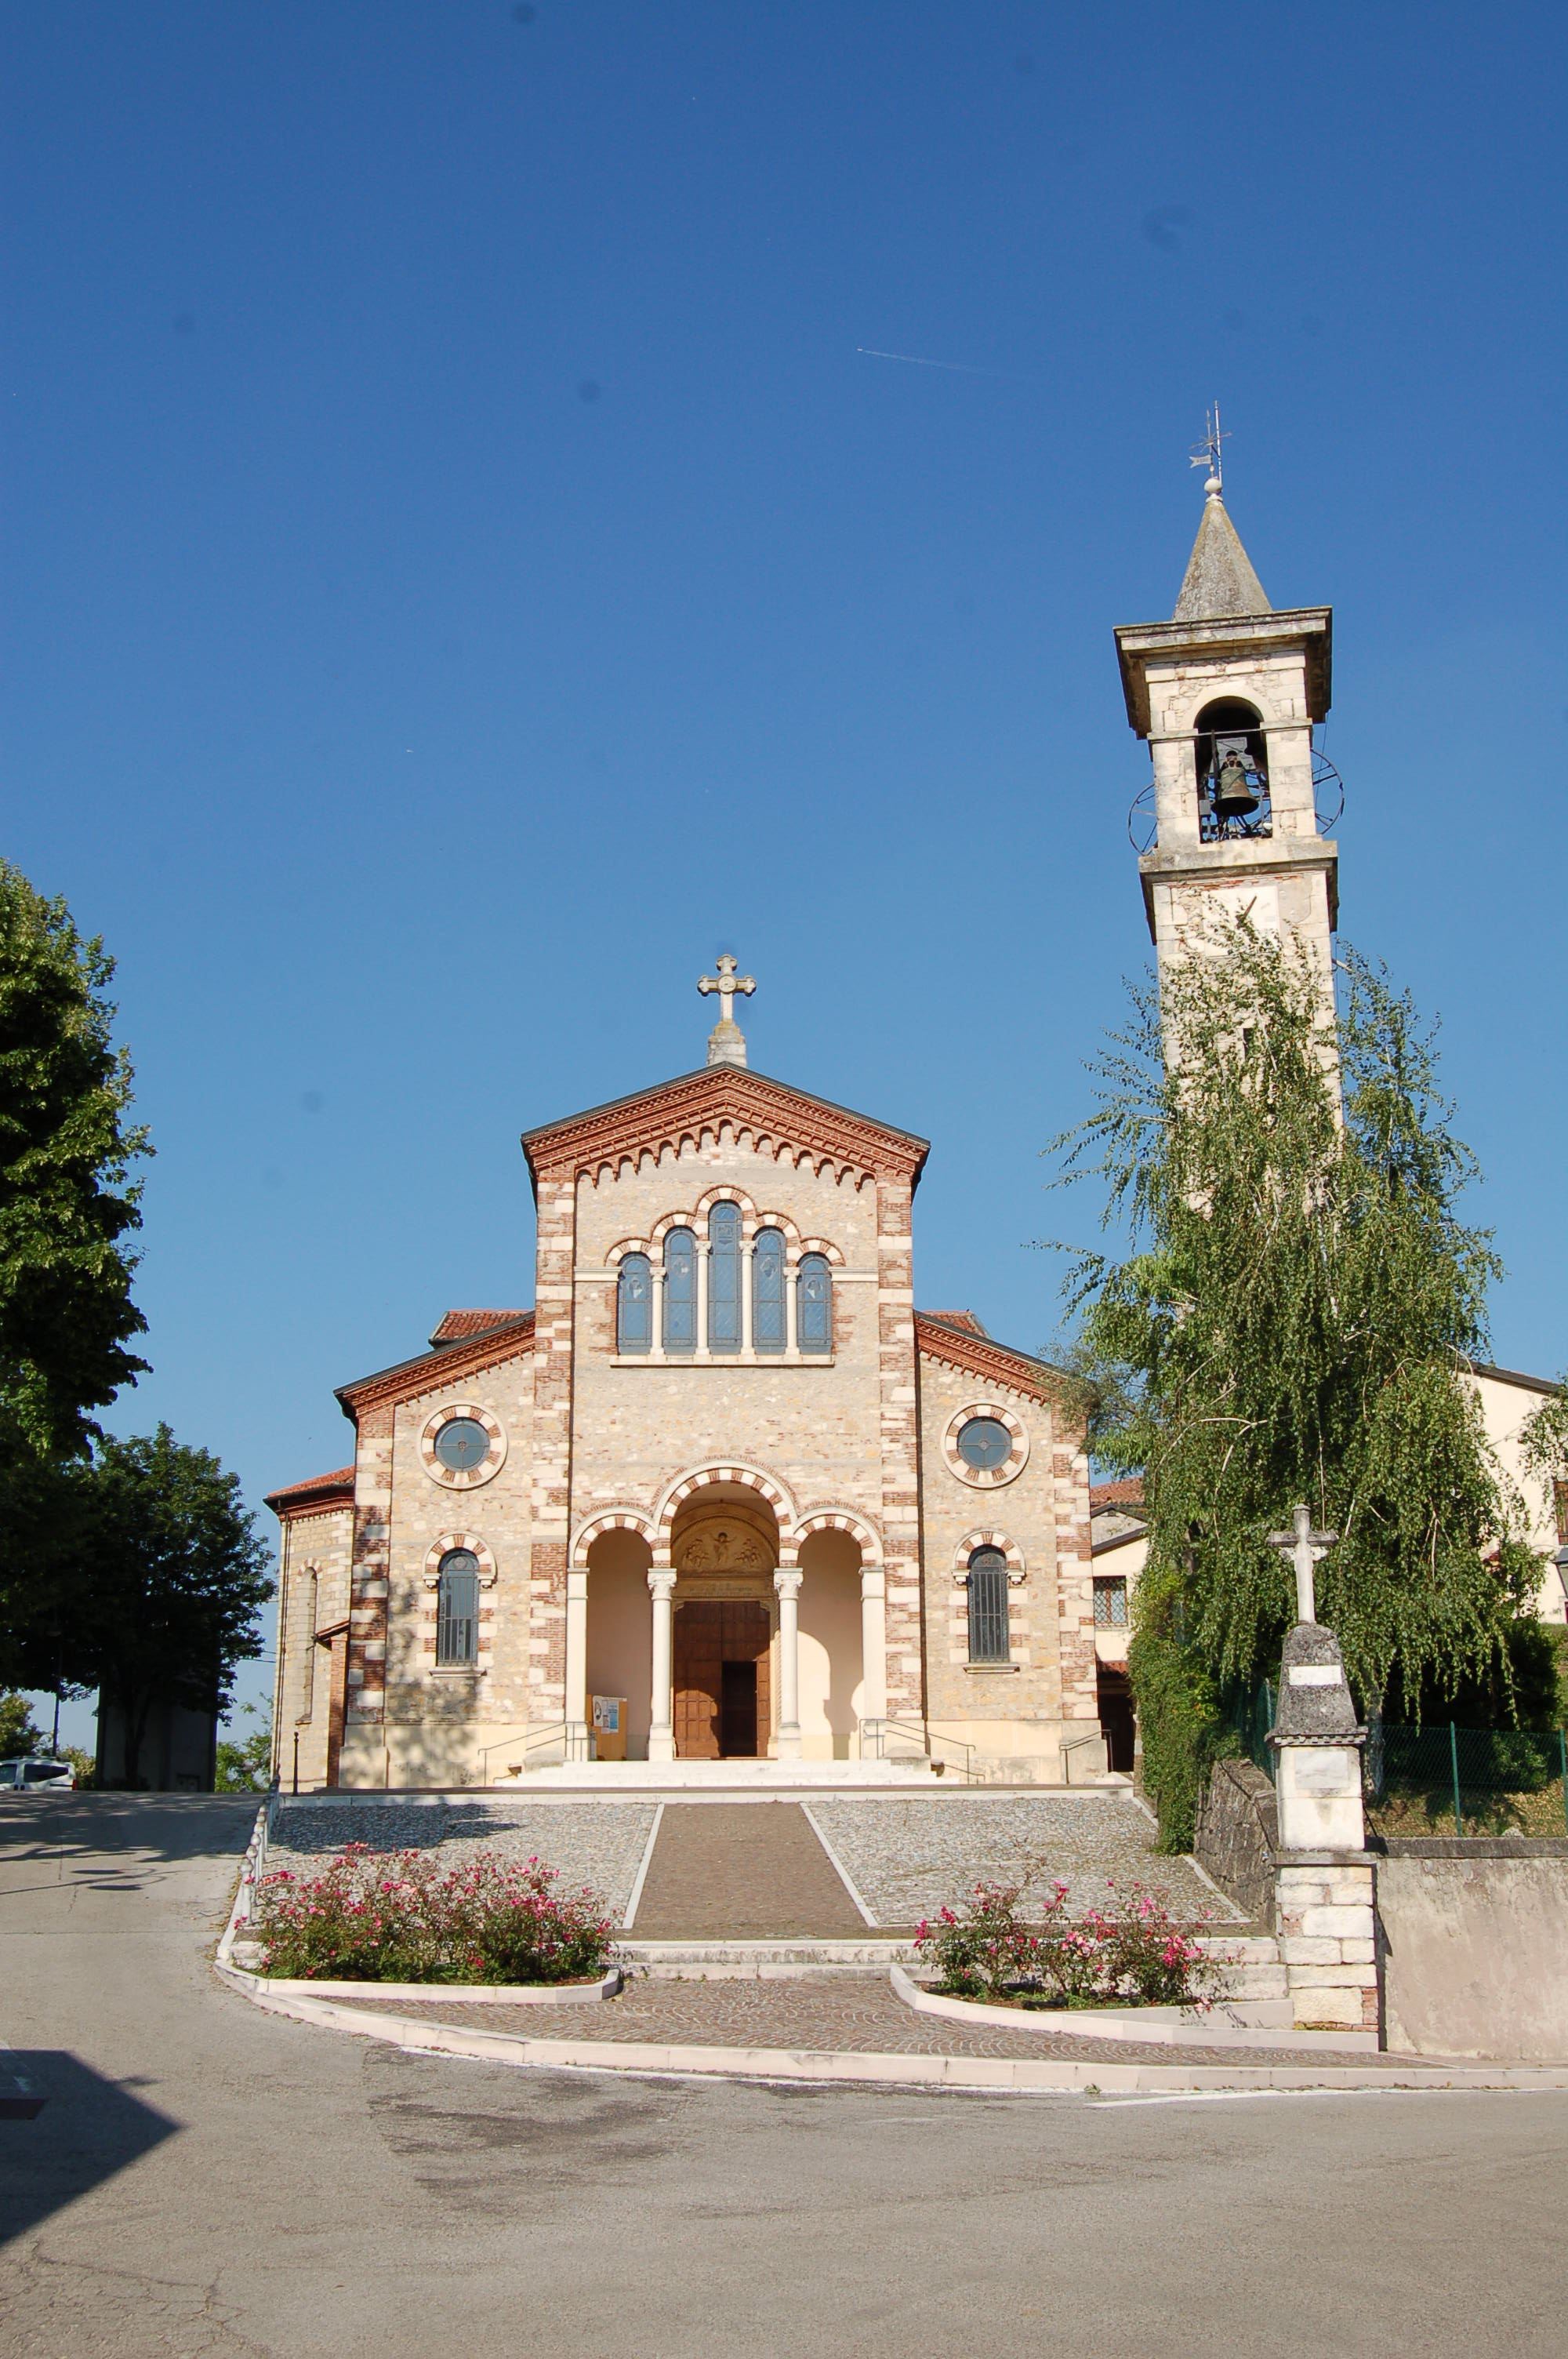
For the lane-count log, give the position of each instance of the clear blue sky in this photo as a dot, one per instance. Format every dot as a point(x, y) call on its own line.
point(459, 572)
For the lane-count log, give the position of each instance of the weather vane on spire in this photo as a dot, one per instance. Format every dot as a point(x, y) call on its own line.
point(1210, 451)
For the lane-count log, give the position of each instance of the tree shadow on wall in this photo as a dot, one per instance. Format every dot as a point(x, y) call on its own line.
point(64, 2130)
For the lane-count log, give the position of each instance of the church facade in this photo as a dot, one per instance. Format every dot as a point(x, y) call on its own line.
point(722, 1491)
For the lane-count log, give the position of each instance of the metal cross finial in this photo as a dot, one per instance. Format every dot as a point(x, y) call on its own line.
point(1210, 451)
point(1304, 1548)
point(726, 1044)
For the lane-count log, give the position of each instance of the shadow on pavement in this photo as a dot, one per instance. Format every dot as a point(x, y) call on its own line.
point(166, 1827)
point(83, 2130)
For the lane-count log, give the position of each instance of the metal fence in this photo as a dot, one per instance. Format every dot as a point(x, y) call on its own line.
point(1440, 1779)
point(1446, 1780)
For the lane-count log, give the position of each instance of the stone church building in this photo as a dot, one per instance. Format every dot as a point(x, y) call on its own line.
point(723, 1492)
point(723, 1486)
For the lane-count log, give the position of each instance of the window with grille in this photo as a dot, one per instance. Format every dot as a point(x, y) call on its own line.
point(457, 1607)
point(634, 1305)
point(724, 1278)
point(814, 1307)
point(1110, 1602)
point(988, 1607)
point(680, 1291)
point(768, 1291)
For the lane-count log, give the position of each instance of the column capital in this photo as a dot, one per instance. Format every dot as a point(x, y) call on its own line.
point(662, 1579)
point(787, 1580)
point(873, 1581)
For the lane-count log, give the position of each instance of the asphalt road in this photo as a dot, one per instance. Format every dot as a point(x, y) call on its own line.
point(203, 2178)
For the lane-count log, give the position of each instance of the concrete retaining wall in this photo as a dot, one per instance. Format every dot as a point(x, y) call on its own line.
point(1476, 1960)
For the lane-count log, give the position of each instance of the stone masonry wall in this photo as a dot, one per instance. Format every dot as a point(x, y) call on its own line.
point(314, 1558)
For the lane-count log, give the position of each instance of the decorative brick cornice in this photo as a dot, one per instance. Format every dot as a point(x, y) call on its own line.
point(315, 1497)
point(767, 1113)
point(978, 1356)
point(409, 1378)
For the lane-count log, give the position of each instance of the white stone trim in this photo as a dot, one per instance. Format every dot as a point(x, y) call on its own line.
point(986, 1478)
point(466, 1478)
point(702, 1478)
point(1017, 1570)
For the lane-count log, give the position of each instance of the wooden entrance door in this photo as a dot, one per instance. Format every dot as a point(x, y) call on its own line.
point(722, 1660)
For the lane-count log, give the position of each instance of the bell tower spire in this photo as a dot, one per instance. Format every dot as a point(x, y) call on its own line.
point(1225, 695)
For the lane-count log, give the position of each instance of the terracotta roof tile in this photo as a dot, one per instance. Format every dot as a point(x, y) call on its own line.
point(1128, 1493)
point(341, 1478)
point(964, 1318)
point(457, 1326)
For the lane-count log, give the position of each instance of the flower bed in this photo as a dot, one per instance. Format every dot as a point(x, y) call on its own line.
point(1129, 1952)
point(393, 1917)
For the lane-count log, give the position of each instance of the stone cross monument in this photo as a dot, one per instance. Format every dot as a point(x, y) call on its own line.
point(727, 1042)
point(1324, 1898)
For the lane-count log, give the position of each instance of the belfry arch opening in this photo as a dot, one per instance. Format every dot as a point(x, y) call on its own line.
point(1231, 754)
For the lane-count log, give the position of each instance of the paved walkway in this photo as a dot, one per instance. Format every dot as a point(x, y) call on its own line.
point(741, 1871)
point(855, 2012)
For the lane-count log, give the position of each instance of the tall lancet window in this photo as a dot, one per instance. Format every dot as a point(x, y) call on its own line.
point(457, 1607)
point(768, 1291)
point(680, 1291)
point(989, 1640)
point(634, 1305)
point(815, 1307)
point(724, 1278)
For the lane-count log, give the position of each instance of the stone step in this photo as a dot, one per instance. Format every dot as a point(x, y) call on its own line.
point(737, 1777)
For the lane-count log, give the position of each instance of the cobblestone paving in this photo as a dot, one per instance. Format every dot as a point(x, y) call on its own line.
point(597, 1844)
point(853, 2013)
point(907, 1854)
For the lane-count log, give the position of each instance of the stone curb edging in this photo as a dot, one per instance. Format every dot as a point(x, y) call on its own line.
point(979, 2073)
point(1154, 2027)
point(608, 1985)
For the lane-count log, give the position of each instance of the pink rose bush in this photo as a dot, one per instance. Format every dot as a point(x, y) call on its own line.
point(1128, 1950)
point(396, 1916)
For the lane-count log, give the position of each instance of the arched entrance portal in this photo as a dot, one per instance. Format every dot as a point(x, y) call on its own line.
point(725, 1548)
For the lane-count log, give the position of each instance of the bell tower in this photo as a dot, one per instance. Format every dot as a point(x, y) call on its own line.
point(1226, 694)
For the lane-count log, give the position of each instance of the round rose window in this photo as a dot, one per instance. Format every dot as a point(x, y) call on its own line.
point(984, 1444)
point(461, 1444)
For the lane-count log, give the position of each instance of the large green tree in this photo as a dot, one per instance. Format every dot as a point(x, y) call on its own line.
point(163, 1591)
point(1294, 1320)
point(69, 1209)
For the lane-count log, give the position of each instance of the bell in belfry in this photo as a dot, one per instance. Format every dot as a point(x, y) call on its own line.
point(1232, 794)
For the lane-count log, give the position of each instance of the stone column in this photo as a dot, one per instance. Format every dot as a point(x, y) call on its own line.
point(661, 1711)
point(701, 1347)
point(747, 1249)
point(791, 1309)
point(787, 1584)
point(577, 1665)
point(874, 1648)
point(1325, 1896)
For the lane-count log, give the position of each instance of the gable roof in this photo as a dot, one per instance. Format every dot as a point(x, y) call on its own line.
point(317, 1491)
point(768, 1113)
point(941, 1335)
point(408, 1378)
point(458, 1326)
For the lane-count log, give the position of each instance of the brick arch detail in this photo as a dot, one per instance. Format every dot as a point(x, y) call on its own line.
point(702, 1478)
point(837, 1519)
point(1017, 1570)
point(606, 1519)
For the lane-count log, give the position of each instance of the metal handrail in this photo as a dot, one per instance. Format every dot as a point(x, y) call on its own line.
point(1073, 1744)
point(553, 1731)
point(877, 1729)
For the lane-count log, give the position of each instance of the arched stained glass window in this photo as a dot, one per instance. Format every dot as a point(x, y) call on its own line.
point(988, 1606)
point(813, 1309)
point(768, 1291)
point(457, 1607)
point(634, 1305)
point(680, 1291)
point(724, 1278)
